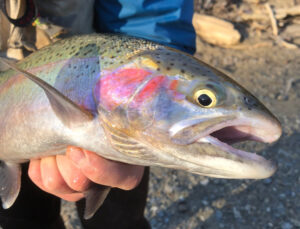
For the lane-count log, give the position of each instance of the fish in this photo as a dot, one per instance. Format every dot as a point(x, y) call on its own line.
point(129, 100)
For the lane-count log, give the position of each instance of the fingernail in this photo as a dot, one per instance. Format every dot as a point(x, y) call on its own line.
point(76, 155)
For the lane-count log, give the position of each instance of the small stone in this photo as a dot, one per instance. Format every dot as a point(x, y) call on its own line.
point(282, 196)
point(286, 225)
point(204, 181)
point(267, 181)
point(182, 207)
point(154, 210)
point(204, 202)
point(296, 222)
point(248, 208)
point(236, 213)
point(218, 214)
point(168, 189)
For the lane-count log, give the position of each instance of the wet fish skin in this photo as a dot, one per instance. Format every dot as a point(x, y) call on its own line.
point(128, 100)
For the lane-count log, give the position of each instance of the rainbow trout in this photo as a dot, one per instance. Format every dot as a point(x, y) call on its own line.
point(132, 101)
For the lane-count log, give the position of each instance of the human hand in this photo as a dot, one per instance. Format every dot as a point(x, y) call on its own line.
point(68, 176)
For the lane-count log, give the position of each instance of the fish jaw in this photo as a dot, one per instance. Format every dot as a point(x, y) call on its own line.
point(241, 164)
point(211, 151)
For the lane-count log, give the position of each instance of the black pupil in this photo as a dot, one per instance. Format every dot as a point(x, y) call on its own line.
point(204, 100)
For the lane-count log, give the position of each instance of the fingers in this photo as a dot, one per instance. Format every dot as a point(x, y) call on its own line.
point(72, 175)
point(106, 172)
point(69, 176)
point(44, 173)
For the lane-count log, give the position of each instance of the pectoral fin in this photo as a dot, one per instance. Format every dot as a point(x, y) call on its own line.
point(10, 182)
point(94, 198)
point(65, 109)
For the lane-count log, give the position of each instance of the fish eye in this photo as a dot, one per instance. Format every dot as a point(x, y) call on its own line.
point(205, 98)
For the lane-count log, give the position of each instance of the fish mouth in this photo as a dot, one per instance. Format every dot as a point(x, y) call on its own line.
point(225, 161)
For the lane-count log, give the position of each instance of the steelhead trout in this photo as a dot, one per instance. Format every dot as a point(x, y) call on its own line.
point(128, 100)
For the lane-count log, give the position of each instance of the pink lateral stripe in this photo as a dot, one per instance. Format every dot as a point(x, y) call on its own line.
point(115, 88)
point(150, 88)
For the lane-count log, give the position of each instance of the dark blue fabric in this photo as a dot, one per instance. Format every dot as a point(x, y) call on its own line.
point(168, 22)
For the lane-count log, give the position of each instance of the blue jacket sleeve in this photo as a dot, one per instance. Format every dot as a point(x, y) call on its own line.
point(168, 22)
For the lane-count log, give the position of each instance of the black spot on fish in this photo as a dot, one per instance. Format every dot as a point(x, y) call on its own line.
point(172, 64)
point(182, 71)
point(86, 66)
point(168, 68)
point(158, 69)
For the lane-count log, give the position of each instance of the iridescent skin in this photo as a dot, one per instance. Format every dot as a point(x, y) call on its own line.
point(141, 95)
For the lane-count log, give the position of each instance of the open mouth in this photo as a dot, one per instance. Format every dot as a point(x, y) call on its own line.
point(225, 135)
point(234, 134)
point(234, 162)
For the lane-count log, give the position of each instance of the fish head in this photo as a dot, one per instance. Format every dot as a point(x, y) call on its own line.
point(192, 112)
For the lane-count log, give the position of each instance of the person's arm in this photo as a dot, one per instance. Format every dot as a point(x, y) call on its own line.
point(68, 176)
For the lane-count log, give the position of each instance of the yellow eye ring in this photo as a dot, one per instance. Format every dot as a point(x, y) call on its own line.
point(205, 98)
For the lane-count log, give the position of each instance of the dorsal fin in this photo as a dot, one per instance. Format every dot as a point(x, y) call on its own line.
point(65, 109)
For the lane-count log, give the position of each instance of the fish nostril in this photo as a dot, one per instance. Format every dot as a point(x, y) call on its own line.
point(250, 103)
